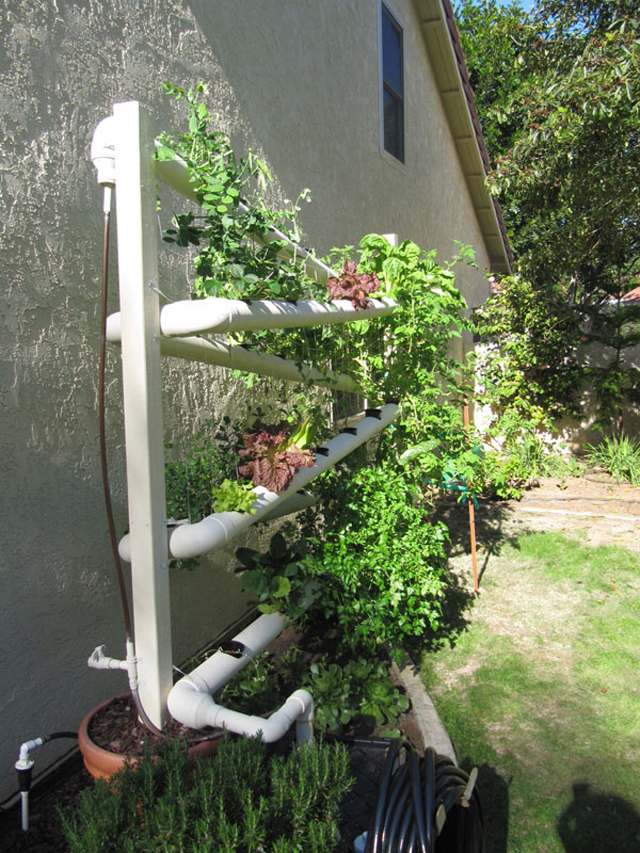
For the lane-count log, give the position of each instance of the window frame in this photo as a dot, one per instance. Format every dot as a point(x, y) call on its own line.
point(386, 87)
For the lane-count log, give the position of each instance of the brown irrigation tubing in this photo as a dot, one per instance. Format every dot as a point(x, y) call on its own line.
point(102, 419)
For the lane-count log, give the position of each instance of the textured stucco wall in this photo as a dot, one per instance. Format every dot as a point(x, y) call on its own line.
point(298, 82)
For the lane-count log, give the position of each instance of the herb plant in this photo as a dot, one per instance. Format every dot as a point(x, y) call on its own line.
point(381, 561)
point(204, 475)
point(239, 255)
point(278, 577)
point(241, 802)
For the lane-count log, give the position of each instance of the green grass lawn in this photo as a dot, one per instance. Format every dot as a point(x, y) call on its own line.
point(542, 694)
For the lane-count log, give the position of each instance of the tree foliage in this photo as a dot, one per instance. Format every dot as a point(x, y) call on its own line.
point(492, 38)
point(564, 125)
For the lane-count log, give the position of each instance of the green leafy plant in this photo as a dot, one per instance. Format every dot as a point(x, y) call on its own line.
point(356, 692)
point(348, 692)
point(196, 479)
point(278, 577)
point(619, 457)
point(241, 802)
point(232, 495)
point(407, 354)
point(255, 690)
point(239, 255)
point(380, 561)
point(527, 362)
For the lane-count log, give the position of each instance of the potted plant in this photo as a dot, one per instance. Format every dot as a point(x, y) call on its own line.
point(111, 736)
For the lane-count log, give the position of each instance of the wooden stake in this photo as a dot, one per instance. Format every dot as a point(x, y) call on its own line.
point(472, 513)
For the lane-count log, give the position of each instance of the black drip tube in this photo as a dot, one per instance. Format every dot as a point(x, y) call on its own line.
point(425, 805)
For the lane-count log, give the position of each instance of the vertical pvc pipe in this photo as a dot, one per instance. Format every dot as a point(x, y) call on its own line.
point(138, 271)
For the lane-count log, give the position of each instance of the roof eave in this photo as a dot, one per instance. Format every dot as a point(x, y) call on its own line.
point(442, 41)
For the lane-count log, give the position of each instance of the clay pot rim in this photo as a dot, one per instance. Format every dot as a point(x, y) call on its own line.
point(114, 761)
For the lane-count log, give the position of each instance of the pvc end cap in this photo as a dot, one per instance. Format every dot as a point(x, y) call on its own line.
point(103, 152)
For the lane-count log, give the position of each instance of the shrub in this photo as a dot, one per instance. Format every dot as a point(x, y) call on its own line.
point(241, 801)
point(619, 457)
point(381, 561)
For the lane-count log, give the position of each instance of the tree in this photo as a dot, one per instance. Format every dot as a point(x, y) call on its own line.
point(492, 36)
point(569, 185)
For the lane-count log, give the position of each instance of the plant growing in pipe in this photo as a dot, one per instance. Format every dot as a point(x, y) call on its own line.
point(202, 474)
point(237, 255)
point(278, 577)
point(274, 453)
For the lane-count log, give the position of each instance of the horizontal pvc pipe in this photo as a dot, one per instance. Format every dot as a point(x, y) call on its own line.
point(238, 358)
point(294, 503)
point(196, 316)
point(191, 702)
point(175, 173)
point(193, 540)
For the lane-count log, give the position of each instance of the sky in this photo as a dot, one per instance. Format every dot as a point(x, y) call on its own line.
point(527, 5)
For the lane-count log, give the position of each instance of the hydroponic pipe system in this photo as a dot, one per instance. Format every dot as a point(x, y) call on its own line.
point(191, 699)
point(186, 541)
point(124, 154)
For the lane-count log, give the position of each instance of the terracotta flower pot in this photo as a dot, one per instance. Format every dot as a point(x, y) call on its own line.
point(103, 764)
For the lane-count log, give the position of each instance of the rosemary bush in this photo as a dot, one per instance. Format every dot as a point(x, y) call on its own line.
point(242, 801)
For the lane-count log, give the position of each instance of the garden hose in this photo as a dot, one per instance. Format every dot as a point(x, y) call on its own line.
point(424, 805)
point(450, 486)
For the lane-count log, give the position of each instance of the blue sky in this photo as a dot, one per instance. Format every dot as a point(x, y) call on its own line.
point(526, 4)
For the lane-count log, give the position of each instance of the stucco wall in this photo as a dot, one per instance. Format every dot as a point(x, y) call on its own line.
point(299, 83)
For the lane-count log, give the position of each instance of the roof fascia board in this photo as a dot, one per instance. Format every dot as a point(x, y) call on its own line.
point(436, 22)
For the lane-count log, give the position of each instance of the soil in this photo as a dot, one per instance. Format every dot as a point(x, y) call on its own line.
point(597, 509)
point(117, 728)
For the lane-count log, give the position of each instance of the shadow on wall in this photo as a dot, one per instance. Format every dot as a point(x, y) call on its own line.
point(598, 823)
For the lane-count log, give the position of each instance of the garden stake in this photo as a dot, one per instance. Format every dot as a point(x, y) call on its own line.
point(472, 513)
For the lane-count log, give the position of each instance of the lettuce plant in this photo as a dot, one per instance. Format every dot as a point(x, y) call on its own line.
point(273, 455)
point(354, 285)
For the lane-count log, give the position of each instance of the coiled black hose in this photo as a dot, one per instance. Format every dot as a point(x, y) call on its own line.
point(425, 805)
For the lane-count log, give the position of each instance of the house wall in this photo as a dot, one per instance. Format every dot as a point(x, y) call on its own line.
point(296, 81)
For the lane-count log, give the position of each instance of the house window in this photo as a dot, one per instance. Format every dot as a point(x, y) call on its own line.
point(392, 88)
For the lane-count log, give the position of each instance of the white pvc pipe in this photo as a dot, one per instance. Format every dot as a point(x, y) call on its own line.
point(238, 358)
point(103, 151)
point(191, 702)
point(294, 503)
point(192, 540)
point(213, 314)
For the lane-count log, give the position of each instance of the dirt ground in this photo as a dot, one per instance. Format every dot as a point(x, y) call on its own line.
point(600, 510)
point(595, 509)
